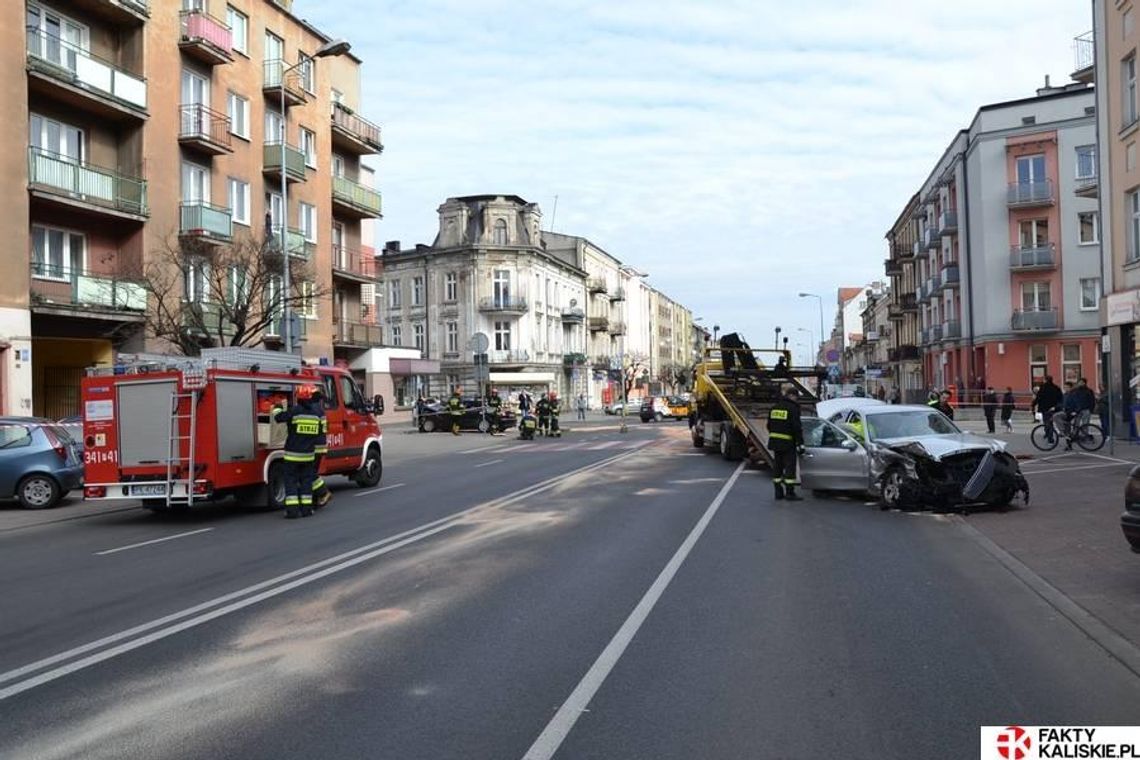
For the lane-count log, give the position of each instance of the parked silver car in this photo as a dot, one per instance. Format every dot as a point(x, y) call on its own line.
point(39, 461)
point(907, 457)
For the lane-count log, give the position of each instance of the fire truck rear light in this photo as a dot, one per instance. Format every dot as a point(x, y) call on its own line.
point(94, 492)
point(202, 487)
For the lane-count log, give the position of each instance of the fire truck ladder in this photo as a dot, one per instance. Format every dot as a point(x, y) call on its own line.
point(175, 460)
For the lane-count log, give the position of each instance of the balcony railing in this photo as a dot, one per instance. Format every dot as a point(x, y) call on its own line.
point(573, 315)
point(508, 357)
point(73, 65)
point(65, 176)
point(358, 334)
point(932, 238)
point(294, 161)
point(1087, 187)
point(361, 199)
point(1024, 194)
point(951, 330)
point(892, 267)
point(617, 328)
point(916, 248)
point(294, 240)
point(202, 127)
point(278, 77)
point(602, 362)
point(596, 285)
point(894, 311)
point(948, 223)
point(355, 262)
point(922, 291)
point(62, 285)
point(934, 284)
point(934, 333)
point(206, 37)
point(951, 276)
point(597, 324)
point(908, 302)
point(617, 294)
point(904, 353)
point(1043, 256)
point(503, 304)
point(200, 219)
point(355, 128)
point(1031, 320)
point(1084, 53)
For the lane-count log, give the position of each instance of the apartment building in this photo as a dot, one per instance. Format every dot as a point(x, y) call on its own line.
point(1005, 247)
point(866, 361)
point(157, 125)
point(903, 353)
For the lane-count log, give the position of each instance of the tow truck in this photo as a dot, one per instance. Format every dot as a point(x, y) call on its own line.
point(176, 431)
point(734, 388)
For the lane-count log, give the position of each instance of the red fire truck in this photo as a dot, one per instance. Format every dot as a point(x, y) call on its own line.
point(177, 431)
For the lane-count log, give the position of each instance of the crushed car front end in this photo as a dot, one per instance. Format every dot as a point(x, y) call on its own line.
point(939, 477)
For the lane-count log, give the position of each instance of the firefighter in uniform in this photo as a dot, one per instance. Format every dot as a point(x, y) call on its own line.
point(552, 406)
point(321, 493)
point(455, 409)
point(785, 439)
point(304, 421)
point(495, 404)
point(542, 410)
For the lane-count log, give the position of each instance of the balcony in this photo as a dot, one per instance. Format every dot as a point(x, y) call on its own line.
point(281, 81)
point(1030, 258)
point(294, 162)
point(934, 284)
point(83, 81)
point(502, 305)
point(895, 312)
point(908, 302)
point(573, 316)
point(596, 285)
point(205, 38)
point(617, 328)
point(900, 251)
point(948, 223)
point(1087, 187)
point(119, 12)
point(892, 267)
point(204, 221)
point(599, 324)
point(352, 133)
point(574, 360)
point(63, 180)
point(355, 200)
point(294, 240)
point(916, 248)
point(1031, 194)
point(951, 276)
point(354, 264)
point(357, 334)
point(1084, 59)
point(904, 353)
point(602, 362)
point(951, 330)
point(617, 294)
point(203, 129)
point(932, 238)
point(59, 289)
point(1035, 320)
point(508, 357)
point(922, 291)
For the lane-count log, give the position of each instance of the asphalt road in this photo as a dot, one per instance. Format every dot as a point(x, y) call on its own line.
point(599, 596)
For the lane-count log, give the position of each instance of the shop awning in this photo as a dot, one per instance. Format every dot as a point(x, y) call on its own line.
point(522, 378)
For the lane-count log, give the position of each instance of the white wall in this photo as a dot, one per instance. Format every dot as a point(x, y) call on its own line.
point(16, 371)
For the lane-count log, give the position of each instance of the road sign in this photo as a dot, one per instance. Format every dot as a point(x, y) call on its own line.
point(482, 368)
point(479, 343)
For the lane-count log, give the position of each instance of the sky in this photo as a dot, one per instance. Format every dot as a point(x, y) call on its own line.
point(739, 151)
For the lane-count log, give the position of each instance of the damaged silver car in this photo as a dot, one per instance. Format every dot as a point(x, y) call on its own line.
point(908, 457)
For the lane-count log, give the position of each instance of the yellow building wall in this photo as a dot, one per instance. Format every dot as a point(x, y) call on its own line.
point(57, 365)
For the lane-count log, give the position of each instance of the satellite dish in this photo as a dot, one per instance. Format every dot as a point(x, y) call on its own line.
point(479, 343)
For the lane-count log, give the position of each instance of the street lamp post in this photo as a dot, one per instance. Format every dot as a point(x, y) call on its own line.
point(331, 48)
point(778, 331)
point(820, 299)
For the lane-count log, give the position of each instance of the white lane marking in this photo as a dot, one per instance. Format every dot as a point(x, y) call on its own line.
point(606, 445)
point(484, 448)
point(1073, 469)
point(152, 541)
point(378, 490)
point(1107, 458)
point(559, 727)
point(488, 464)
point(417, 533)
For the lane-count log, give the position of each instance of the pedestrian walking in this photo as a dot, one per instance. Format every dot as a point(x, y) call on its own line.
point(1007, 404)
point(989, 407)
point(896, 395)
point(881, 393)
point(785, 439)
point(304, 428)
point(581, 406)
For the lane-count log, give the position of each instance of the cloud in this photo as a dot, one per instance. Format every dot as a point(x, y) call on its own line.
point(740, 151)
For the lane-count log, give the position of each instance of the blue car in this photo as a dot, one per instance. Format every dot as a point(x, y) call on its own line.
point(40, 461)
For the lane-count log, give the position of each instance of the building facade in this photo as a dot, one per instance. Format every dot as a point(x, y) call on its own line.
point(901, 266)
point(152, 125)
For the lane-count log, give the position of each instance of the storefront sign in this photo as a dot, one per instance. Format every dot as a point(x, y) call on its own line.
point(1123, 308)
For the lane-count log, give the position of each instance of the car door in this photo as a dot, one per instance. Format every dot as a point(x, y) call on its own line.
point(16, 455)
point(832, 460)
point(334, 416)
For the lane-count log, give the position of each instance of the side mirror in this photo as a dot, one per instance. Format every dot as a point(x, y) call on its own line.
point(378, 404)
point(849, 444)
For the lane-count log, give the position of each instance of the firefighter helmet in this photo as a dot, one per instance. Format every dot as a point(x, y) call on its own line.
point(306, 392)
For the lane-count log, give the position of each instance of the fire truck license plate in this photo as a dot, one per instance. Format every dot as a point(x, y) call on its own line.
point(149, 489)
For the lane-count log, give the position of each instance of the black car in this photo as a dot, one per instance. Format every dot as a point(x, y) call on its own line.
point(435, 416)
point(1130, 520)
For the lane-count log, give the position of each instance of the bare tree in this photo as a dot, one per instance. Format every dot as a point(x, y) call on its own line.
point(201, 294)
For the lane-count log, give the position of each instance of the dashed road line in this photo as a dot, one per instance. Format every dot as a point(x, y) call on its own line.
point(488, 464)
point(382, 488)
point(152, 541)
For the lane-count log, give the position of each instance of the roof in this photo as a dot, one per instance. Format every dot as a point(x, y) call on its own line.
point(846, 294)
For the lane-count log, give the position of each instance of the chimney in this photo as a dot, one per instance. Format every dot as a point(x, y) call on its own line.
point(392, 246)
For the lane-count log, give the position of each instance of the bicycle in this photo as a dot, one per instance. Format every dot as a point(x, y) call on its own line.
point(1088, 436)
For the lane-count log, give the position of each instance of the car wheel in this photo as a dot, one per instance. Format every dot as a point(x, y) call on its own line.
point(484, 426)
point(427, 425)
point(893, 495)
point(38, 492)
point(369, 475)
point(658, 417)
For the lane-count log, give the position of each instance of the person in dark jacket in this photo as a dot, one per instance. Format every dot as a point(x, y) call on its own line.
point(943, 404)
point(1048, 399)
point(989, 407)
point(321, 493)
point(785, 439)
point(455, 409)
point(1007, 404)
point(1101, 411)
point(1085, 400)
point(304, 421)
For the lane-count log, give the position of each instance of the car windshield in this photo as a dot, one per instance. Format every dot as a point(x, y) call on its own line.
point(909, 424)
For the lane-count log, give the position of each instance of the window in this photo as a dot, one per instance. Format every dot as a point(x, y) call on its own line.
point(1086, 162)
point(396, 338)
point(394, 300)
point(306, 303)
point(57, 254)
point(274, 127)
point(418, 335)
point(195, 183)
point(1034, 233)
point(1071, 362)
point(195, 92)
point(1090, 293)
point(500, 232)
point(1036, 296)
point(274, 51)
point(1088, 225)
point(450, 287)
point(1134, 225)
point(273, 213)
point(502, 287)
point(451, 330)
point(239, 286)
point(338, 165)
point(502, 336)
point(308, 221)
point(418, 291)
point(239, 29)
point(55, 38)
point(239, 200)
point(237, 108)
point(305, 67)
point(197, 275)
point(309, 147)
point(1030, 169)
point(1038, 364)
point(56, 138)
point(1128, 83)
